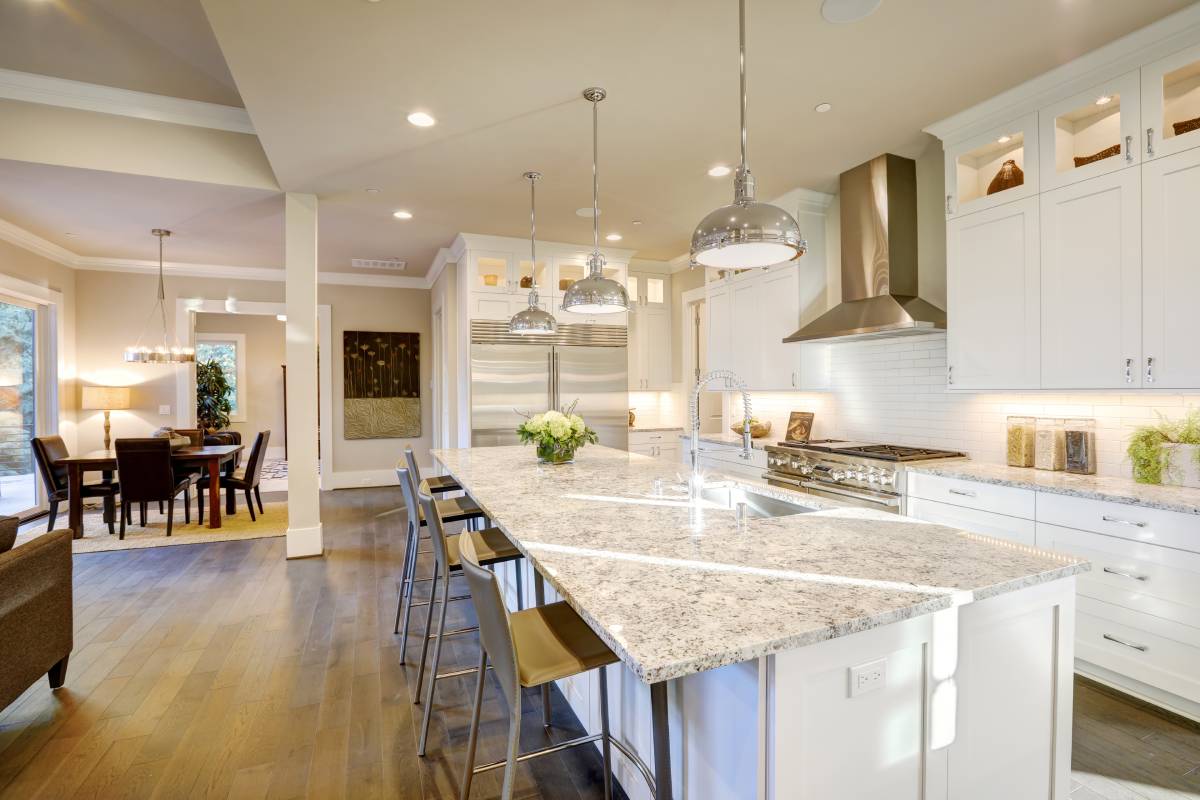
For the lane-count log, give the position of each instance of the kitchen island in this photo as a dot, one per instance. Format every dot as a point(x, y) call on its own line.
point(831, 652)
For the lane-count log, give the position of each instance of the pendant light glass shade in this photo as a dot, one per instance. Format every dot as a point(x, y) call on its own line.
point(594, 293)
point(165, 353)
point(746, 233)
point(532, 320)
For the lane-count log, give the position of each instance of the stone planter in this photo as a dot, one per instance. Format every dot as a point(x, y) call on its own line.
point(1182, 467)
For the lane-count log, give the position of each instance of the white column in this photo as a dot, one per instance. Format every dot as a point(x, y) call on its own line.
point(300, 296)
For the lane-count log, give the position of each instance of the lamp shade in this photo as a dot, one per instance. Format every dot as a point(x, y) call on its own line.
point(105, 398)
point(10, 377)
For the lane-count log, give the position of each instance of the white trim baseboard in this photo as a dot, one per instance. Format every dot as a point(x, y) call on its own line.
point(304, 542)
point(363, 478)
point(49, 91)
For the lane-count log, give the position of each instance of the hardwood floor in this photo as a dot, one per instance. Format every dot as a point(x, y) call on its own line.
point(223, 670)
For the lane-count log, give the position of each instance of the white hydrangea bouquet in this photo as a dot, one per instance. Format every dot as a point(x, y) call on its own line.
point(557, 434)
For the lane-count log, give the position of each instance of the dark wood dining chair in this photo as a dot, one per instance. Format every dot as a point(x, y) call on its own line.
point(47, 451)
point(146, 473)
point(196, 473)
point(247, 478)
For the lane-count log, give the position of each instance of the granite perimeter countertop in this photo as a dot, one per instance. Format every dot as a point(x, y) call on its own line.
point(676, 588)
point(1092, 487)
point(641, 429)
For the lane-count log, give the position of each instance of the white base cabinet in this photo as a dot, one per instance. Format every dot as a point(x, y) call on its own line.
point(656, 444)
point(1139, 606)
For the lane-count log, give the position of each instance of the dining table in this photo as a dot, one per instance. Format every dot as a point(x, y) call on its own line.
point(212, 457)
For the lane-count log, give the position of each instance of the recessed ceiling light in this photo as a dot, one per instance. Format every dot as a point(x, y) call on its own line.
point(421, 119)
point(402, 214)
point(71, 235)
point(372, 191)
point(1103, 100)
point(1004, 139)
point(637, 222)
point(586, 212)
point(613, 237)
point(821, 108)
point(844, 11)
point(719, 171)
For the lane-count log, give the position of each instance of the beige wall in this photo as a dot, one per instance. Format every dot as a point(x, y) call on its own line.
point(19, 263)
point(263, 392)
point(113, 307)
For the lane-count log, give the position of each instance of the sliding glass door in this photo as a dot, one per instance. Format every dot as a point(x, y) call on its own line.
point(19, 406)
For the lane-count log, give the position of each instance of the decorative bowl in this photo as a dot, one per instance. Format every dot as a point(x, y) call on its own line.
point(757, 429)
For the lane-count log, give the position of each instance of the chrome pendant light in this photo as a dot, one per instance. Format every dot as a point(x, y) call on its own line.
point(163, 353)
point(532, 320)
point(595, 294)
point(746, 233)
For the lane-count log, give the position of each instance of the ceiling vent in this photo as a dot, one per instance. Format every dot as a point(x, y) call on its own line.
point(393, 264)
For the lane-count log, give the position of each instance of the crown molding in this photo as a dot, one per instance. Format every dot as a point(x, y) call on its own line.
point(444, 256)
point(35, 244)
point(64, 93)
point(1158, 39)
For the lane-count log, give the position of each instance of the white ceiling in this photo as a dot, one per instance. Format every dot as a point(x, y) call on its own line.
point(328, 85)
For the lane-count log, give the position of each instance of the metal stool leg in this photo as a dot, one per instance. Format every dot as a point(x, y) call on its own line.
point(607, 741)
point(469, 767)
point(539, 598)
point(416, 697)
point(519, 566)
point(409, 590)
point(409, 547)
point(433, 667)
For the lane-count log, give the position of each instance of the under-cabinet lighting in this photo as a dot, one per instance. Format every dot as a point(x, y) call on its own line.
point(1103, 100)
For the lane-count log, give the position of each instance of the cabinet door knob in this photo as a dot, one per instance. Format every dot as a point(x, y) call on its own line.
point(1149, 369)
point(1150, 142)
point(1129, 149)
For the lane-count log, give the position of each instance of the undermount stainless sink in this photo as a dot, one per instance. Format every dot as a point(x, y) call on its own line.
point(757, 505)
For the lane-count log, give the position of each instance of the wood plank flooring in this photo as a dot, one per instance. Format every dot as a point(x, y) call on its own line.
point(224, 671)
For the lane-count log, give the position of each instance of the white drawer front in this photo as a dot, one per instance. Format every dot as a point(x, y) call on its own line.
point(1167, 528)
point(652, 437)
point(981, 496)
point(1153, 580)
point(1012, 529)
point(1155, 651)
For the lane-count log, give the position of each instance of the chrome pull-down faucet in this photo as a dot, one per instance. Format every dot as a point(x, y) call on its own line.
point(732, 383)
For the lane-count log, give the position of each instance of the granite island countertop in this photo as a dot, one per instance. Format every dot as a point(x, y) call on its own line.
point(729, 439)
point(676, 588)
point(1092, 487)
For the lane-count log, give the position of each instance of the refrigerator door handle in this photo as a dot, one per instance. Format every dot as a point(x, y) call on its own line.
point(550, 379)
point(554, 372)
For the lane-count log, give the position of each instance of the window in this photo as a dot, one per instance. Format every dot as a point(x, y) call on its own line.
point(228, 350)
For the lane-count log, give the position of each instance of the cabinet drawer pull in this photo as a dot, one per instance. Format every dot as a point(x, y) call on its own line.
point(1150, 369)
point(961, 492)
point(1120, 521)
point(1129, 149)
point(1130, 575)
point(1141, 648)
point(1129, 370)
point(1150, 142)
point(948, 197)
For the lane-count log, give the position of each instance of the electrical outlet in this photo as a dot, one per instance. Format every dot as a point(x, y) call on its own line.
point(164, 411)
point(868, 677)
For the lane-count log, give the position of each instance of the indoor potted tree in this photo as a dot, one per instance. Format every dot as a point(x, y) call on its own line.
point(1168, 452)
point(212, 397)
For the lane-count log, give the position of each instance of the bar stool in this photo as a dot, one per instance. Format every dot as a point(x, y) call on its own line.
point(532, 648)
point(490, 547)
point(438, 484)
point(455, 509)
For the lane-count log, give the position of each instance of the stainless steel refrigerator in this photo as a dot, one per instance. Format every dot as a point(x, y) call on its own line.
point(515, 375)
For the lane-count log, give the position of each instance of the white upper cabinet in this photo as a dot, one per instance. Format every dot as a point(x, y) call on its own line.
point(1092, 283)
point(992, 168)
point(649, 331)
point(1171, 104)
point(1171, 271)
point(491, 272)
point(993, 298)
point(1091, 133)
point(719, 302)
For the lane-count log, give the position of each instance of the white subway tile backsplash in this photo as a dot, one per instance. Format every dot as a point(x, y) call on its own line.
point(894, 390)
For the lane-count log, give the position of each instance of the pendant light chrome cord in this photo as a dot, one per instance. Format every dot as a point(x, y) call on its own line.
point(746, 233)
point(164, 353)
point(533, 319)
point(594, 293)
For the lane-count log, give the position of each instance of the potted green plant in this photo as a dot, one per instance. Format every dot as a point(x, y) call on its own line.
point(1168, 452)
point(557, 434)
point(212, 397)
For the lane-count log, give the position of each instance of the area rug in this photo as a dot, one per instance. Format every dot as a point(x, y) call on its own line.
point(96, 538)
point(274, 468)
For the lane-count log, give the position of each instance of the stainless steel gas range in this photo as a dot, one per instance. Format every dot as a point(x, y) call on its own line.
point(862, 474)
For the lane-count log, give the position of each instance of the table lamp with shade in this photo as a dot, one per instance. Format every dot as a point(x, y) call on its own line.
point(106, 399)
point(10, 394)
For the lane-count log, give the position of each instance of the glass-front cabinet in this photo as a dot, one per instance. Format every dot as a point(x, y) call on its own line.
point(491, 272)
point(1171, 103)
point(528, 274)
point(647, 290)
point(1091, 133)
point(993, 168)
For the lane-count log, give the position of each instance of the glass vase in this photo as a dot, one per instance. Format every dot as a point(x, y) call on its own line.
point(555, 453)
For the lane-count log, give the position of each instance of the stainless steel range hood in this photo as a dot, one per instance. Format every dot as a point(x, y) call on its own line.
point(879, 258)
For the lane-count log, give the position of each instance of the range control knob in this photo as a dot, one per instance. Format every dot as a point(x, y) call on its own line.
point(805, 468)
point(873, 475)
point(886, 477)
point(837, 474)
